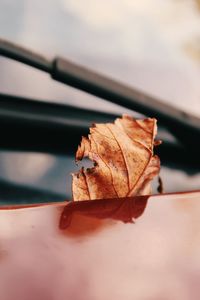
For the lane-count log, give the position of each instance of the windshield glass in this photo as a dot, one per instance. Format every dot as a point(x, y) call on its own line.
point(153, 46)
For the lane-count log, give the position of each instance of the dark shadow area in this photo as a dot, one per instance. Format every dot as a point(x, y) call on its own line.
point(20, 194)
point(83, 217)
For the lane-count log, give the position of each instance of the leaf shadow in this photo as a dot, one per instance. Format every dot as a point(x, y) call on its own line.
point(87, 217)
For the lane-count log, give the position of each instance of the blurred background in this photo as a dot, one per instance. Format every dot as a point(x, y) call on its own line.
point(151, 45)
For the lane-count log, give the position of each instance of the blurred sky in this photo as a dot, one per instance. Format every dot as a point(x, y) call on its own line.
point(153, 45)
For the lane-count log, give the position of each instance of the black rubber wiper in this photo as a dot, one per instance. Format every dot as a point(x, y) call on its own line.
point(29, 125)
point(21, 194)
point(183, 126)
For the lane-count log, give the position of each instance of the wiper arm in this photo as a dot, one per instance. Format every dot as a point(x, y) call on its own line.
point(25, 56)
point(184, 126)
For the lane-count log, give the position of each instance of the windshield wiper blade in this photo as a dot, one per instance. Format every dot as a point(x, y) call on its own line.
point(13, 193)
point(40, 126)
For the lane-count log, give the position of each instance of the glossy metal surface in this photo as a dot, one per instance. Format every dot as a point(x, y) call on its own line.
point(95, 255)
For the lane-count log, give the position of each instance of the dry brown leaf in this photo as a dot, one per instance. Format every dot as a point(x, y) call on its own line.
point(124, 164)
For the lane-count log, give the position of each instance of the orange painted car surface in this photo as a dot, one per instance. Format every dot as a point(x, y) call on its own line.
point(98, 253)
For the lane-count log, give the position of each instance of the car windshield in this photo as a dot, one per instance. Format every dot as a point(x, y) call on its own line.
point(152, 45)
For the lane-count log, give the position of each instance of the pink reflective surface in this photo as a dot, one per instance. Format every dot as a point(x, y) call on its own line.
point(98, 256)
